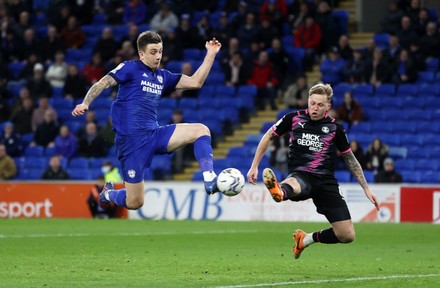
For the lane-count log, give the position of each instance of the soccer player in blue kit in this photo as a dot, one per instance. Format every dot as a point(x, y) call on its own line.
point(314, 139)
point(134, 114)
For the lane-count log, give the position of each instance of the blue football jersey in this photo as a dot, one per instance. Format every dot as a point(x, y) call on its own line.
point(140, 89)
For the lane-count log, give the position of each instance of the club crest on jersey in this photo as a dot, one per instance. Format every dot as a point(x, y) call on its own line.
point(131, 173)
point(160, 79)
point(325, 129)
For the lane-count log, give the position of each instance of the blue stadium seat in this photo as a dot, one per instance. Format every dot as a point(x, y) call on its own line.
point(34, 174)
point(192, 115)
point(192, 54)
point(161, 162)
point(31, 162)
point(341, 19)
point(418, 153)
point(225, 91)
point(381, 40)
point(363, 89)
point(174, 66)
point(403, 126)
point(404, 164)
point(79, 174)
point(370, 103)
point(382, 127)
point(238, 152)
point(231, 113)
point(395, 102)
point(207, 91)
point(167, 103)
point(417, 113)
point(287, 40)
point(14, 87)
point(215, 78)
point(96, 162)
point(26, 139)
point(410, 176)
point(432, 64)
point(99, 19)
point(411, 89)
point(102, 115)
point(432, 101)
point(343, 176)
point(188, 103)
point(429, 89)
point(426, 77)
point(426, 165)
point(266, 127)
point(73, 125)
point(414, 102)
point(215, 125)
point(386, 90)
point(296, 55)
point(432, 140)
point(34, 151)
point(430, 177)
point(197, 176)
point(361, 127)
point(61, 103)
point(425, 127)
point(15, 68)
point(390, 139)
point(102, 103)
point(120, 31)
point(79, 163)
point(396, 152)
point(409, 140)
point(49, 151)
point(206, 103)
point(223, 163)
point(73, 55)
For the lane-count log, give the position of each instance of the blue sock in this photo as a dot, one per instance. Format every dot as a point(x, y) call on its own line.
point(203, 152)
point(118, 197)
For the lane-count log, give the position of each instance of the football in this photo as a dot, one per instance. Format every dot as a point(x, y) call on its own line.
point(230, 181)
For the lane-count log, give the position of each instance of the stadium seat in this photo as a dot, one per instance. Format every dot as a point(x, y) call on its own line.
point(34, 151)
point(192, 54)
point(429, 89)
point(99, 19)
point(385, 90)
point(96, 162)
point(382, 127)
point(409, 89)
point(34, 174)
point(238, 152)
point(266, 127)
point(26, 139)
point(15, 68)
point(409, 140)
point(395, 102)
point(161, 162)
point(191, 115)
point(215, 78)
point(224, 91)
point(207, 91)
point(418, 153)
point(434, 152)
point(102, 103)
point(215, 125)
point(197, 176)
point(396, 152)
point(361, 127)
point(430, 177)
point(426, 127)
point(49, 151)
point(432, 101)
point(61, 103)
point(432, 64)
point(174, 66)
point(404, 164)
point(296, 56)
point(343, 176)
point(413, 102)
point(431, 140)
point(370, 103)
point(79, 163)
point(390, 139)
point(403, 126)
point(363, 89)
point(341, 19)
point(79, 174)
point(426, 77)
point(381, 40)
point(188, 103)
point(223, 163)
point(167, 103)
point(206, 103)
point(426, 165)
point(30, 162)
point(411, 176)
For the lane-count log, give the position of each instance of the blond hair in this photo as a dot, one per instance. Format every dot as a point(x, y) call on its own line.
point(322, 89)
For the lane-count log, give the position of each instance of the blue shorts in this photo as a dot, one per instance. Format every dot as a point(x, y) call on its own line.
point(135, 152)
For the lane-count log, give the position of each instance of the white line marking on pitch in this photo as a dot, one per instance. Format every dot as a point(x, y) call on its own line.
point(332, 280)
point(5, 236)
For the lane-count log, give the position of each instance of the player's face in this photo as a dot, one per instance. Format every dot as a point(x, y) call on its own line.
point(318, 105)
point(152, 55)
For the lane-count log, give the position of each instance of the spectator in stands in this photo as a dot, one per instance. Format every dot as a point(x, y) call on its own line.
point(186, 33)
point(107, 133)
point(75, 84)
point(92, 144)
point(8, 169)
point(421, 22)
point(279, 149)
point(376, 70)
point(390, 23)
point(376, 154)
point(106, 45)
point(266, 32)
point(131, 36)
point(94, 70)
point(354, 68)
point(237, 72)
point(96, 210)
point(326, 22)
point(127, 52)
point(417, 56)
point(205, 30)
point(350, 110)
point(172, 47)
point(46, 131)
point(23, 24)
point(5, 108)
point(406, 34)
point(57, 72)
point(187, 69)
point(58, 15)
point(297, 94)
point(264, 78)
point(308, 36)
point(22, 117)
point(72, 35)
point(368, 50)
point(389, 174)
point(134, 12)
point(239, 14)
point(296, 18)
point(11, 45)
point(38, 86)
point(344, 47)
point(404, 70)
point(392, 52)
point(164, 20)
point(224, 30)
point(84, 11)
point(55, 171)
point(111, 172)
point(11, 140)
point(52, 43)
point(65, 143)
point(358, 153)
point(226, 56)
point(274, 11)
point(185, 154)
point(90, 118)
point(28, 70)
point(332, 67)
point(113, 10)
point(38, 114)
point(247, 32)
point(430, 41)
point(413, 10)
point(30, 44)
point(17, 101)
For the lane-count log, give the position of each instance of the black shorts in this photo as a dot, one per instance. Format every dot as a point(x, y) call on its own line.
point(324, 191)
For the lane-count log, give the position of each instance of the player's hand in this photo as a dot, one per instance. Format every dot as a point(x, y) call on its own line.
point(252, 175)
point(373, 199)
point(80, 109)
point(213, 45)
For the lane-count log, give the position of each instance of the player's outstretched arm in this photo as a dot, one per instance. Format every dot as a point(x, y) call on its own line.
point(355, 168)
point(96, 89)
point(259, 153)
point(198, 78)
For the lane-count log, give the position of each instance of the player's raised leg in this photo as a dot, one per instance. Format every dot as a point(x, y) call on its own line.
point(200, 135)
point(130, 197)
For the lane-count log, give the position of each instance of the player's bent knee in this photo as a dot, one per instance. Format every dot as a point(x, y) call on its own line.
point(202, 130)
point(135, 203)
point(347, 237)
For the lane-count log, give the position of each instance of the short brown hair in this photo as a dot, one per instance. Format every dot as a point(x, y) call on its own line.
point(147, 37)
point(322, 89)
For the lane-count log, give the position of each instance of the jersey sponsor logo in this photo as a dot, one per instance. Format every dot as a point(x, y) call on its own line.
point(160, 79)
point(151, 87)
point(131, 173)
point(325, 129)
point(311, 141)
point(302, 124)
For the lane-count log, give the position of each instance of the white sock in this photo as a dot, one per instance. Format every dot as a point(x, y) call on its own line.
point(308, 240)
point(106, 195)
point(208, 175)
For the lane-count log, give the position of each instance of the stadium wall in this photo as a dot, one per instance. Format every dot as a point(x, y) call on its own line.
point(188, 201)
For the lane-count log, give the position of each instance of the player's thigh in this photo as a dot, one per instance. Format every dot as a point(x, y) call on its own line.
point(185, 134)
point(302, 189)
point(344, 230)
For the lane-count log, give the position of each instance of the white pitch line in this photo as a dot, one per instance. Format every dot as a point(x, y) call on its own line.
point(6, 236)
point(360, 279)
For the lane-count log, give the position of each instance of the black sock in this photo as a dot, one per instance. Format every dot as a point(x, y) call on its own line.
point(287, 191)
point(326, 236)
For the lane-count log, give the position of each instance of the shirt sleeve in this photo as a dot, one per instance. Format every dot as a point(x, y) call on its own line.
point(341, 139)
point(283, 125)
point(121, 72)
point(170, 80)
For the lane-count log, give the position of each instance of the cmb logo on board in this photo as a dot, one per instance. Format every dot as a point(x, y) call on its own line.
point(26, 209)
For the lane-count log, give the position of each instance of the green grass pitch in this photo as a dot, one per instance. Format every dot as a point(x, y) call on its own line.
point(124, 253)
